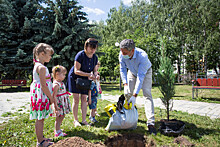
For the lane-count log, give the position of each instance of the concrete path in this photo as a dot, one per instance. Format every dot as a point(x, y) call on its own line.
point(13, 102)
point(201, 108)
point(19, 102)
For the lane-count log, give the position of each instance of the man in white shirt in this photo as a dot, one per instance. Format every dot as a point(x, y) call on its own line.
point(139, 76)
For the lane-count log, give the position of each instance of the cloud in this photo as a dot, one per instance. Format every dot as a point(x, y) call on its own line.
point(92, 1)
point(93, 21)
point(128, 2)
point(95, 10)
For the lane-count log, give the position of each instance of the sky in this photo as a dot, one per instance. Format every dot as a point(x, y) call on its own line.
point(98, 9)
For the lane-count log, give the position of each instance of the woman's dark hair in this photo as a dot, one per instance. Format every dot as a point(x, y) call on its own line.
point(91, 42)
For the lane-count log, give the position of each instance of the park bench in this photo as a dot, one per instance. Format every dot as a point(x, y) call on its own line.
point(205, 83)
point(18, 83)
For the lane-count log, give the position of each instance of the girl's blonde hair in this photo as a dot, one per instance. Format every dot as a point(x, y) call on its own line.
point(41, 47)
point(91, 42)
point(58, 68)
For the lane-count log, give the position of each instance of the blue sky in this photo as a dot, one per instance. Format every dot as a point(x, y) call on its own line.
point(98, 9)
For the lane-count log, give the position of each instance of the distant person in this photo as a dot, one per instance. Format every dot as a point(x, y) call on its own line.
point(138, 76)
point(85, 66)
point(61, 98)
point(41, 91)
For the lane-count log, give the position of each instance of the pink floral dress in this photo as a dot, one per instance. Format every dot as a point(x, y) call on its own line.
point(40, 105)
point(63, 100)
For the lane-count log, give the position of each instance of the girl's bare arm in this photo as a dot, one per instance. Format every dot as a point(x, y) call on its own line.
point(42, 72)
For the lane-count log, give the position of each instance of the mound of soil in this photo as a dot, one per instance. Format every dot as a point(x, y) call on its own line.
point(76, 142)
point(183, 142)
point(125, 140)
point(121, 140)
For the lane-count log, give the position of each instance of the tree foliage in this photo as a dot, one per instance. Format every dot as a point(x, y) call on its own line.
point(109, 61)
point(189, 38)
point(25, 23)
point(69, 29)
point(17, 32)
point(191, 30)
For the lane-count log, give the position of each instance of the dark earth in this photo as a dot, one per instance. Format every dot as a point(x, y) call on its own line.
point(125, 140)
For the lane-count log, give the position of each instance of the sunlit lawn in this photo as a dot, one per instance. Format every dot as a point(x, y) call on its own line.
point(199, 130)
point(182, 92)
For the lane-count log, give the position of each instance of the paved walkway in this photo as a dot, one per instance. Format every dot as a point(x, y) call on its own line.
point(19, 101)
point(201, 108)
point(13, 102)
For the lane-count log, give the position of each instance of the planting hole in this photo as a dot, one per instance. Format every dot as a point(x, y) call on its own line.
point(126, 140)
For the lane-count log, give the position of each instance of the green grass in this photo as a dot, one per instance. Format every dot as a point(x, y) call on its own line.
point(182, 92)
point(6, 114)
point(200, 130)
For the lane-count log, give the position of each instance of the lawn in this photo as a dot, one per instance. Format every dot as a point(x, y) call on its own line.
point(182, 92)
point(199, 130)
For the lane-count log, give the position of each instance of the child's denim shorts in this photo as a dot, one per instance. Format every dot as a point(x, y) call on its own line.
point(93, 103)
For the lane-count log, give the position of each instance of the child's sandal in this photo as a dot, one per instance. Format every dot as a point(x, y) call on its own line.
point(47, 139)
point(59, 134)
point(43, 142)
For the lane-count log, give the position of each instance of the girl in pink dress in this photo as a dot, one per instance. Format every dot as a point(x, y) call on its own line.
point(61, 98)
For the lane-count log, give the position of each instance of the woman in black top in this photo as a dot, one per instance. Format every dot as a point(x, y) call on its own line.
point(85, 66)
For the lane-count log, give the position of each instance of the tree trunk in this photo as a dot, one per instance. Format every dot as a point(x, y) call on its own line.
point(179, 69)
point(216, 71)
point(168, 115)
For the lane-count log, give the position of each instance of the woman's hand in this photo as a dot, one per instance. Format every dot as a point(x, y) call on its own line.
point(92, 76)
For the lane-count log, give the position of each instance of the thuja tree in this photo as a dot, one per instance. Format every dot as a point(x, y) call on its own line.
point(166, 79)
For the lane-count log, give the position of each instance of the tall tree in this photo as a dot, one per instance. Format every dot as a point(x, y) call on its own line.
point(25, 23)
point(211, 32)
point(122, 23)
point(70, 30)
point(18, 21)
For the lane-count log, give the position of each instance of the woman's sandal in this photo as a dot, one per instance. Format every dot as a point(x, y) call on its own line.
point(86, 123)
point(43, 142)
point(76, 123)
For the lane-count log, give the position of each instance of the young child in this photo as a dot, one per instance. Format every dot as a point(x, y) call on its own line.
point(98, 88)
point(40, 91)
point(92, 100)
point(61, 98)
